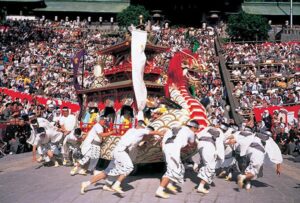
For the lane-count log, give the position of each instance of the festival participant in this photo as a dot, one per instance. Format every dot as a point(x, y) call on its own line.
point(49, 115)
point(172, 144)
point(121, 165)
point(244, 137)
point(90, 147)
point(46, 143)
point(67, 122)
point(211, 147)
point(256, 149)
point(229, 164)
point(71, 141)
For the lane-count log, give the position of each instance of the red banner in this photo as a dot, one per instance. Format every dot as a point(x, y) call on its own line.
point(259, 111)
point(40, 100)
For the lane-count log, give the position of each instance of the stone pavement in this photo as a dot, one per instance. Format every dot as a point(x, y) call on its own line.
point(23, 181)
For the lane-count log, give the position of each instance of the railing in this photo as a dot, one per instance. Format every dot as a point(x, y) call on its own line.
point(120, 129)
point(127, 67)
point(229, 86)
point(291, 31)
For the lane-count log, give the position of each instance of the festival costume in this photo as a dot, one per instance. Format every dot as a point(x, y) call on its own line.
point(121, 164)
point(259, 146)
point(211, 147)
point(90, 147)
point(49, 142)
point(229, 163)
point(70, 143)
point(172, 144)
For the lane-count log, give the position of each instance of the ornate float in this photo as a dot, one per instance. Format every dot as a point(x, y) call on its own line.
point(167, 92)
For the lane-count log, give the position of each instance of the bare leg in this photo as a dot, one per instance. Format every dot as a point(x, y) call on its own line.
point(98, 177)
point(249, 176)
point(121, 178)
point(160, 190)
point(93, 180)
point(201, 188)
point(117, 185)
point(52, 157)
point(242, 178)
point(164, 182)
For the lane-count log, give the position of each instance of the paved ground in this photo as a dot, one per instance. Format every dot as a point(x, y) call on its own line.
point(22, 181)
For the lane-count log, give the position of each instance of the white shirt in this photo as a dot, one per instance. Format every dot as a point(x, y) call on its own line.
point(68, 122)
point(41, 141)
point(71, 137)
point(219, 141)
point(132, 137)
point(167, 135)
point(94, 132)
point(45, 123)
point(92, 135)
point(184, 136)
point(62, 120)
point(243, 141)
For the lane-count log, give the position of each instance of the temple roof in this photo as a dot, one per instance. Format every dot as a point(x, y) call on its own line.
point(116, 85)
point(125, 47)
point(87, 6)
point(271, 8)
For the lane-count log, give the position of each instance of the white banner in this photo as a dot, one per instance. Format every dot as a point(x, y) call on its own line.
point(138, 58)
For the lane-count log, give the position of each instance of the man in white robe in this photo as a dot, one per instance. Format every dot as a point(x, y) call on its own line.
point(229, 164)
point(71, 142)
point(121, 165)
point(46, 143)
point(210, 143)
point(67, 122)
point(259, 146)
point(90, 147)
point(172, 144)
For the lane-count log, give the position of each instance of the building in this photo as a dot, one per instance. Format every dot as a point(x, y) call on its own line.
point(97, 10)
point(276, 10)
point(191, 12)
point(186, 12)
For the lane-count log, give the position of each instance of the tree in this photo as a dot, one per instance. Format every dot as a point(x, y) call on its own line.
point(248, 27)
point(131, 14)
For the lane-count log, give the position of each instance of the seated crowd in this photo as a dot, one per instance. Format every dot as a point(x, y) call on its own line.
point(265, 75)
point(35, 59)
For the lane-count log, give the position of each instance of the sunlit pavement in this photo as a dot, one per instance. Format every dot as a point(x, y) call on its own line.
point(23, 181)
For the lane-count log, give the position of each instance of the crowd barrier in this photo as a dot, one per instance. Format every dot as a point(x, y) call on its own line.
point(119, 128)
point(40, 100)
point(291, 112)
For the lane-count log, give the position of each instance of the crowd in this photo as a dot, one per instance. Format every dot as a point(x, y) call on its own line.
point(265, 75)
point(205, 82)
point(36, 60)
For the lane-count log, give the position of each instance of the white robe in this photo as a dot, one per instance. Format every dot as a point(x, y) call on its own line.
point(244, 139)
point(257, 157)
point(210, 151)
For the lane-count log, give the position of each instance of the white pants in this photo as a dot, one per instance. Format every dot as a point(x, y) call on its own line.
point(207, 161)
point(43, 150)
point(229, 161)
point(256, 158)
point(92, 155)
point(66, 148)
point(121, 163)
point(175, 168)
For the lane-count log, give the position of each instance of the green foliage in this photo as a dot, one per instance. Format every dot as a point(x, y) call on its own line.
point(131, 14)
point(248, 27)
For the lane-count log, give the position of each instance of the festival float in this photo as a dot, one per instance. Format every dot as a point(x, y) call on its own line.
point(133, 89)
